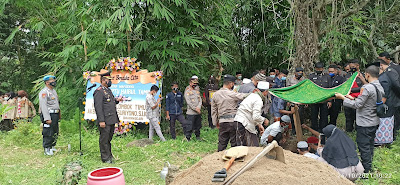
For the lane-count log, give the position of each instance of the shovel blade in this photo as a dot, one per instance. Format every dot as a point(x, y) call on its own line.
point(276, 154)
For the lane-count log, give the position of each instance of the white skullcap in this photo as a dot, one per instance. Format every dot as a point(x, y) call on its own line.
point(263, 85)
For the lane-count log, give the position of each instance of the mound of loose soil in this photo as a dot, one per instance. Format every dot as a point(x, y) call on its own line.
point(140, 143)
point(297, 169)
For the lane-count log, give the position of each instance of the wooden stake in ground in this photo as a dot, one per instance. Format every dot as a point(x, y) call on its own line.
point(297, 124)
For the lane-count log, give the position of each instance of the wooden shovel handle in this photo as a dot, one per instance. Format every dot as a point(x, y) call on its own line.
point(229, 163)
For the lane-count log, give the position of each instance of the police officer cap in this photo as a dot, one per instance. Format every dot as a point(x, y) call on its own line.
point(106, 75)
point(49, 77)
point(298, 69)
point(319, 65)
point(229, 78)
point(302, 144)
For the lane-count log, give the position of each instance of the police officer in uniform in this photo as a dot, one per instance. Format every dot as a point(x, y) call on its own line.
point(337, 80)
point(106, 112)
point(350, 113)
point(223, 109)
point(194, 102)
point(49, 108)
point(320, 109)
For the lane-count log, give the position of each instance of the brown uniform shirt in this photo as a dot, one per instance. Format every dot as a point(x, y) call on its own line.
point(193, 101)
point(224, 105)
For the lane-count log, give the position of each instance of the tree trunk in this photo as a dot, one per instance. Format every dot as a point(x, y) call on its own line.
point(306, 40)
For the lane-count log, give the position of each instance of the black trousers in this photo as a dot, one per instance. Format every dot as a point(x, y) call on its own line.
point(50, 134)
point(106, 135)
point(6, 125)
point(193, 124)
point(173, 118)
point(210, 123)
point(396, 121)
point(227, 132)
point(365, 142)
point(334, 111)
point(350, 118)
point(321, 110)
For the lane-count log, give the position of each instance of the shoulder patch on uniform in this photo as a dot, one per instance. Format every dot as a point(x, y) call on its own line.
point(98, 88)
point(389, 69)
point(43, 95)
point(361, 90)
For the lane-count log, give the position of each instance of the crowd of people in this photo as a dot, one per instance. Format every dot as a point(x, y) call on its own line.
point(247, 114)
point(19, 108)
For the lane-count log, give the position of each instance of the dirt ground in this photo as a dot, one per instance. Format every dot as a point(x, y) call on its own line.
point(297, 169)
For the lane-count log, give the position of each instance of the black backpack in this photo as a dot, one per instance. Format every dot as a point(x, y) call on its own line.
point(382, 109)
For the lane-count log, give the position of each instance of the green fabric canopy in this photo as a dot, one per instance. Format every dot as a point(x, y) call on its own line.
point(307, 92)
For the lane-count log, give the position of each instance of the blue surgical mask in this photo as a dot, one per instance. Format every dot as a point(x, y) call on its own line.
point(332, 74)
point(273, 76)
point(283, 77)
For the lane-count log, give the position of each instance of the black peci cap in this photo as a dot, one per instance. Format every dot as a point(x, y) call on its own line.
point(319, 65)
point(229, 78)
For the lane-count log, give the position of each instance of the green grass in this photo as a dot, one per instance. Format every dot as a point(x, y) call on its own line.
point(22, 160)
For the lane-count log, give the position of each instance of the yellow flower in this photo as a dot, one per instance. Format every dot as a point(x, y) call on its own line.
point(83, 119)
point(83, 112)
point(146, 123)
point(123, 124)
point(159, 95)
point(126, 68)
point(127, 130)
point(106, 68)
point(159, 105)
point(92, 119)
point(136, 64)
point(159, 123)
point(84, 103)
point(84, 93)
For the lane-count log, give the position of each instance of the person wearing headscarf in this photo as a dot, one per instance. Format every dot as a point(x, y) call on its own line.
point(211, 87)
point(340, 153)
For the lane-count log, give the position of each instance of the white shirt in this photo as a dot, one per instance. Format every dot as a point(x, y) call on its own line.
point(249, 112)
point(271, 130)
point(311, 155)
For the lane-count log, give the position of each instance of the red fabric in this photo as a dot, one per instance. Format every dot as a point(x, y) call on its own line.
point(312, 139)
point(355, 85)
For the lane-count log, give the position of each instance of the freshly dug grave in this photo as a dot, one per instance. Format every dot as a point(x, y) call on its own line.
point(297, 170)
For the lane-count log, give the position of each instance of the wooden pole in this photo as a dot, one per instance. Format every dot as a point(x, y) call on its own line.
point(297, 124)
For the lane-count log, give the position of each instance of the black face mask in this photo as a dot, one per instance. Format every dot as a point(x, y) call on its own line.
point(53, 84)
point(318, 72)
point(299, 75)
point(194, 86)
point(353, 69)
point(109, 83)
point(175, 89)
